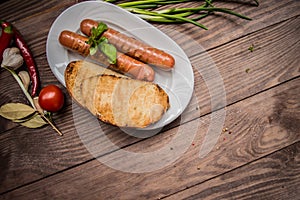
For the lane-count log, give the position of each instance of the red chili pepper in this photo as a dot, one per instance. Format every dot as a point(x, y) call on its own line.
point(5, 39)
point(28, 58)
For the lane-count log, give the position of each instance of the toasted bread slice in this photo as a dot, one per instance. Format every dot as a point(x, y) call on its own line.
point(114, 98)
point(77, 71)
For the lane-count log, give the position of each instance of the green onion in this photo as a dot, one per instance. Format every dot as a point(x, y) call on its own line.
point(174, 17)
point(143, 2)
point(144, 10)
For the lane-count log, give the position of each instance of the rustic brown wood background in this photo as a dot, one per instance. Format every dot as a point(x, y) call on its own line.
point(257, 158)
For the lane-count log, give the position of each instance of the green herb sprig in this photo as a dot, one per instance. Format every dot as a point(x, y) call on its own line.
point(98, 42)
point(144, 10)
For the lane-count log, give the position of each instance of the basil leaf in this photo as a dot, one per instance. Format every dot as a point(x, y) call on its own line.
point(97, 42)
point(110, 51)
point(101, 28)
point(94, 32)
point(93, 50)
point(95, 38)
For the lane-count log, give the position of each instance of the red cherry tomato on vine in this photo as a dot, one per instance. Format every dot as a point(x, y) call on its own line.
point(51, 98)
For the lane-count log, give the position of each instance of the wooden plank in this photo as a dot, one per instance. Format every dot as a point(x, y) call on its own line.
point(238, 84)
point(275, 176)
point(14, 10)
point(256, 128)
point(35, 29)
point(244, 73)
point(224, 28)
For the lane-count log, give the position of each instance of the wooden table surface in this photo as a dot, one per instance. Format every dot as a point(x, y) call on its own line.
point(238, 138)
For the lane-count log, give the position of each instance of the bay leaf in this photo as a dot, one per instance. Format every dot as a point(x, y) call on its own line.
point(14, 111)
point(21, 120)
point(34, 122)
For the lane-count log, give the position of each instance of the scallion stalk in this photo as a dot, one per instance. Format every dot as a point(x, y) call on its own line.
point(144, 2)
point(173, 17)
point(144, 10)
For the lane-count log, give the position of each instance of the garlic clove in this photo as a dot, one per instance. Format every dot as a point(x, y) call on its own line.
point(37, 105)
point(14, 50)
point(24, 76)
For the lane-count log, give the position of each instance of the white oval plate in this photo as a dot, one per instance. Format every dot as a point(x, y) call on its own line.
point(178, 83)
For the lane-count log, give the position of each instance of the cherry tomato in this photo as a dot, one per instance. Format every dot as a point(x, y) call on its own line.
point(51, 98)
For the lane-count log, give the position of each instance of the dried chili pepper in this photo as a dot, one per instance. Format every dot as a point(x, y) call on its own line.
point(5, 39)
point(27, 55)
point(28, 58)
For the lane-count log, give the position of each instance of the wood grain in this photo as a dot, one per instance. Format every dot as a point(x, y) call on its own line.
point(251, 135)
point(238, 84)
point(244, 73)
point(224, 28)
point(18, 10)
point(262, 115)
point(275, 176)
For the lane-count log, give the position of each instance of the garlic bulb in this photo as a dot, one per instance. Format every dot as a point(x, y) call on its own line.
point(12, 58)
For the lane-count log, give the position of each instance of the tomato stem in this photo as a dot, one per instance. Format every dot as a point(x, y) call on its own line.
point(51, 124)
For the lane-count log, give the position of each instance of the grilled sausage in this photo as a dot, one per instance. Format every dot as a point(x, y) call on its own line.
point(132, 47)
point(125, 64)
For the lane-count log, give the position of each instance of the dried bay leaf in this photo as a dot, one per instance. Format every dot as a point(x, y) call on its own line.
point(15, 111)
point(34, 122)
